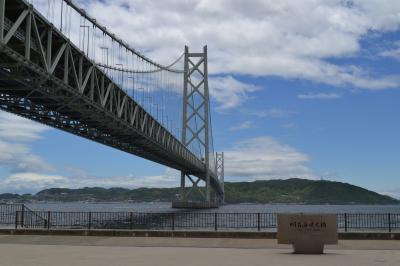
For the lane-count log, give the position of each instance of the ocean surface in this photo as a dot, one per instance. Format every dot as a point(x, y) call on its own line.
point(161, 207)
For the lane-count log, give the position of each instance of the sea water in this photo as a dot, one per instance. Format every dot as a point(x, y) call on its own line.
point(229, 208)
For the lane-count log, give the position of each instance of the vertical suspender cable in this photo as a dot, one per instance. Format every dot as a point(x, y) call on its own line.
point(62, 9)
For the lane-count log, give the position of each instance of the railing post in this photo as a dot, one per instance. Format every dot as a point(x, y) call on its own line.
point(215, 222)
point(45, 221)
point(173, 221)
point(22, 215)
point(131, 221)
point(16, 219)
point(345, 222)
point(389, 223)
point(48, 220)
point(90, 220)
point(258, 221)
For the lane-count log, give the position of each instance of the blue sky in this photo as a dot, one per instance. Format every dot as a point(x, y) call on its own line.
point(312, 96)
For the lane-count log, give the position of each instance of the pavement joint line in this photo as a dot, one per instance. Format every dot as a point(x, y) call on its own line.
point(201, 243)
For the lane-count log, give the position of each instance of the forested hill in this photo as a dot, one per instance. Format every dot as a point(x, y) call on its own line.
point(303, 191)
point(271, 191)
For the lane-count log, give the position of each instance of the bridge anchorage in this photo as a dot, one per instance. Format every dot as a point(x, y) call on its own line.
point(69, 72)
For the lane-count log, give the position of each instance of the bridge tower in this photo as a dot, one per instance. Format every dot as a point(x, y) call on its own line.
point(196, 128)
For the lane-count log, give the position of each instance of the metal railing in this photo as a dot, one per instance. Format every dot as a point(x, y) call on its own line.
point(22, 217)
point(19, 214)
point(7, 213)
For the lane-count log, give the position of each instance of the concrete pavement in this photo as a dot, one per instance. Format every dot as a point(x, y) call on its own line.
point(24, 250)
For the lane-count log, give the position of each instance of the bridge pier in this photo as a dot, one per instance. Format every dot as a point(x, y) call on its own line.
point(194, 197)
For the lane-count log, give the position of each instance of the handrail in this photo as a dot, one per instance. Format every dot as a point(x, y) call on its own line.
point(346, 222)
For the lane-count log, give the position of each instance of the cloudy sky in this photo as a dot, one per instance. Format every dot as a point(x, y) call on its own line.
point(306, 88)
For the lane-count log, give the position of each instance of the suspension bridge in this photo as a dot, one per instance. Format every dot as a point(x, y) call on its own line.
point(60, 67)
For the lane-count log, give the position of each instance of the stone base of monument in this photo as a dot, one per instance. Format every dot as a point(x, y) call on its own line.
point(307, 247)
point(308, 233)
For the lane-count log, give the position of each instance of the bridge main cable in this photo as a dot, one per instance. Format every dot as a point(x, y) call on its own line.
point(83, 13)
point(132, 71)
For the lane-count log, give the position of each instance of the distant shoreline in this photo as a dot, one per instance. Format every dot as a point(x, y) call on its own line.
point(289, 192)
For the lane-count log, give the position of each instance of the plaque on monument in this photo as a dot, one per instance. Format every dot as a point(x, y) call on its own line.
point(308, 233)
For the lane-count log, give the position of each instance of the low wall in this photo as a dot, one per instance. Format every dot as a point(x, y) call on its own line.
point(191, 234)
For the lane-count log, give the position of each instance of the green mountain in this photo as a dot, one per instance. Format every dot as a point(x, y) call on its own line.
point(303, 191)
point(271, 191)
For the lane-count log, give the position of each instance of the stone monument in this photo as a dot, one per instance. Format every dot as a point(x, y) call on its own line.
point(308, 233)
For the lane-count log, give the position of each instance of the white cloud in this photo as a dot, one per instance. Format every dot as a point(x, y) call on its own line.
point(290, 39)
point(18, 157)
point(241, 126)
point(319, 96)
point(393, 51)
point(167, 179)
point(16, 128)
point(392, 193)
point(229, 92)
point(29, 181)
point(33, 182)
point(33, 177)
point(15, 153)
point(129, 181)
point(265, 158)
point(271, 113)
point(289, 125)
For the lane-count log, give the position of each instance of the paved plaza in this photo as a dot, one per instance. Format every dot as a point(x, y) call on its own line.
point(24, 250)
